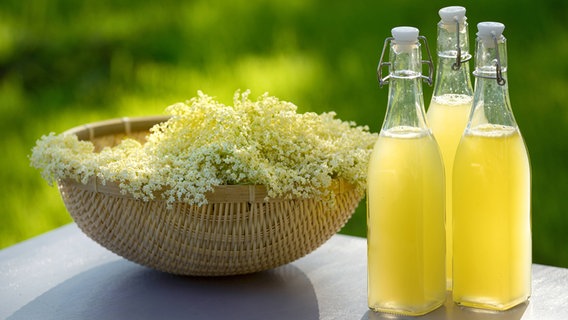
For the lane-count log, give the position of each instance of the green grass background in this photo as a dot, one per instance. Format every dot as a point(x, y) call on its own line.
point(67, 62)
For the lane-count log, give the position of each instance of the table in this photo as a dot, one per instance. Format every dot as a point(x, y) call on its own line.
point(64, 275)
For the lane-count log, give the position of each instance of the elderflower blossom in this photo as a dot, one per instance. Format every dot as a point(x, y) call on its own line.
point(206, 143)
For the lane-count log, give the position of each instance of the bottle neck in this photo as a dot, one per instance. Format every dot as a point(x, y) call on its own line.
point(405, 108)
point(491, 104)
point(451, 78)
point(450, 37)
point(490, 57)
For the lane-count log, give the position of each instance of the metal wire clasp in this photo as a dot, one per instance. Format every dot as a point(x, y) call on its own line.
point(384, 80)
point(457, 65)
point(499, 73)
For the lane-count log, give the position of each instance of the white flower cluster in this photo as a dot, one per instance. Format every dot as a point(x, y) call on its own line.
point(206, 143)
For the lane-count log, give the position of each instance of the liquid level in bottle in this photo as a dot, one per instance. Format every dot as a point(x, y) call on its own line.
point(405, 217)
point(447, 117)
point(491, 211)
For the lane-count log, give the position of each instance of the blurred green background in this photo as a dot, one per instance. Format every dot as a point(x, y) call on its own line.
point(67, 62)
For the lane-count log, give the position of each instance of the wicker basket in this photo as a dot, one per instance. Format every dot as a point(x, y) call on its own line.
point(237, 232)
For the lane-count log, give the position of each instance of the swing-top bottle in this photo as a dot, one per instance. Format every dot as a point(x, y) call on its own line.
point(451, 101)
point(405, 191)
point(491, 190)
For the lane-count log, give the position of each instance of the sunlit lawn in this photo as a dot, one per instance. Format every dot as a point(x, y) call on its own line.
point(65, 63)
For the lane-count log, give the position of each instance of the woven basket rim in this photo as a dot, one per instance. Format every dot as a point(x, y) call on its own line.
point(220, 194)
point(125, 125)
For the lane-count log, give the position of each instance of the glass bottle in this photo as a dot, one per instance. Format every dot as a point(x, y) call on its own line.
point(451, 102)
point(405, 192)
point(491, 190)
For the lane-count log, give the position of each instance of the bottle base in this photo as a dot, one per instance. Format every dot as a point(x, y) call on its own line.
point(398, 310)
point(490, 304)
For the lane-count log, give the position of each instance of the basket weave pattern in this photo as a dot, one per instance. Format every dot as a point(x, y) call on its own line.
point(237, 232)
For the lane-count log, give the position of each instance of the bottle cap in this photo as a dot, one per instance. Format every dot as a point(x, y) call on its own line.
point(405, 34)
point(449, 14)
point(489, 29)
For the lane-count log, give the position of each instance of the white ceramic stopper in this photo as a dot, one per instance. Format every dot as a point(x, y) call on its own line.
point(489, 29)
point(405, 34)
point(449, 14)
